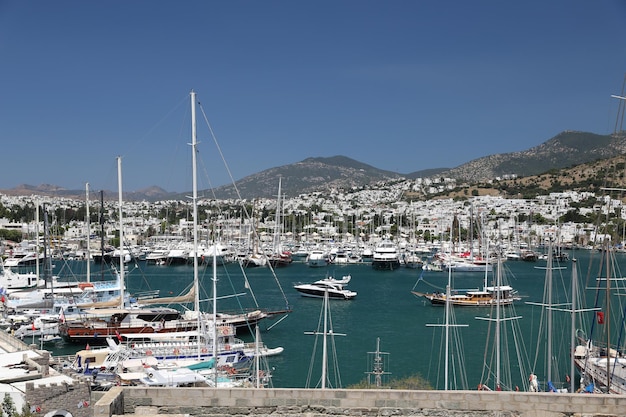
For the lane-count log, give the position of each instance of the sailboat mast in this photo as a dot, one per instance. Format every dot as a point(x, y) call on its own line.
point(88, 232)
point(607, 315)
point(498, 321)
point(37, 272)
point(324, 347)
point(278, 226)
point(119, 198)
point(447, 319)
point(257, 369)
point(102, 234)
point(549, 309)
point(194, 198)
point(47, 266)
point(573, 325)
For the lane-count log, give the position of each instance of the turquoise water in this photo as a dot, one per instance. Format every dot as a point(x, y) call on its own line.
point(385, 309)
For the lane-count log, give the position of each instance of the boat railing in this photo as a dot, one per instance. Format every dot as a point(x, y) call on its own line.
point(63, 360)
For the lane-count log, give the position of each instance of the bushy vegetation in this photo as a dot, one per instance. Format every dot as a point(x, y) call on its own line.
point(12, 235)
point(413, 382)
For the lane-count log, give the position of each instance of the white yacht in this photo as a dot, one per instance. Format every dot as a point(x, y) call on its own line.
point(334, 287)
point(317, 258)
point(386, 256)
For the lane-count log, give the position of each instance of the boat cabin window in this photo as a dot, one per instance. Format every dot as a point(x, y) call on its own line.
point(159, 316)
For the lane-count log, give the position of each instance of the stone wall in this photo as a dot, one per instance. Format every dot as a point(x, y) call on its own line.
point(208, 402)
point(67, 398)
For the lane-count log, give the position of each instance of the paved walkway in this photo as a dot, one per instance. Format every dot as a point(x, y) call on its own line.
point(10, 344)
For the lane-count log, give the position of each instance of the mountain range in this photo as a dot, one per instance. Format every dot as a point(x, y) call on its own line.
point(567, 149)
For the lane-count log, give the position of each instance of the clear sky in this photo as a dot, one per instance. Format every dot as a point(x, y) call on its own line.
point(400, 85)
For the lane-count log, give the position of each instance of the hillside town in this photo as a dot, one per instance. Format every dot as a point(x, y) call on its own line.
point(154, 339)
point(356, 218)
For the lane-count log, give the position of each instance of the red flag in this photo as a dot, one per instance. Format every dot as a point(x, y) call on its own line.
point(32, 326)
point(87, 347)
point(600, 316)
point(3, 299)
point(118, 335)
point(62, 316)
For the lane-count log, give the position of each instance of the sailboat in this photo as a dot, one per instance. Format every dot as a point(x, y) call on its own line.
point(194, 338)
point(454, 358)
point(97, 324)
point(45, 293)
point(600, 361)
point(551, 342)
point(498, 362)
point(379, 363)
point(499, 294)
point(61, 299)
point(279, 257)
point(325, 329)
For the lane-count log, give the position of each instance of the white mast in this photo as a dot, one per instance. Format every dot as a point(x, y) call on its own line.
point(498, 321)
point(88, 232)
point(572, 368)
point(278, 220)
point(324, 344)
point(119, 197)
point(257, 368)
point(447, 319)
point(194, 199)
point(325, 333)
point(549, 310)
point(37, 272)
point(447, 324)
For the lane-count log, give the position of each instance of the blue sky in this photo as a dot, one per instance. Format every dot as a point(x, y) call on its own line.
point(400, 85)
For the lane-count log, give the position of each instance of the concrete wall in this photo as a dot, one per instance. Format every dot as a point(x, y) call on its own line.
point(368, 403)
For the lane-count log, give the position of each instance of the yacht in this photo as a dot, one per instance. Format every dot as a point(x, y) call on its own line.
point(386, 256)
point(317, 258)
point(334, 287)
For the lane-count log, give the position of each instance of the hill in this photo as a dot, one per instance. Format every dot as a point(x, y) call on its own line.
point(320, 174)
point(309, 175)
point(567, 149)
point(591, 177)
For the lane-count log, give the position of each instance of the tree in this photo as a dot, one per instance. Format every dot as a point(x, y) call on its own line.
point(8, 407)
point(9, 410)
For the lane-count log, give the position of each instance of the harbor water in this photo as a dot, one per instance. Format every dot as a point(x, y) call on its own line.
point(409, 329)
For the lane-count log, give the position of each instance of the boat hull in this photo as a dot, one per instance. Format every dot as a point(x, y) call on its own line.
point(98, 335)
point(386, 265)
point(465, 300)
point(320, 294)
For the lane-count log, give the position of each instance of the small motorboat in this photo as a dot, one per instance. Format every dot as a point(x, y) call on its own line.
point(50, 338)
